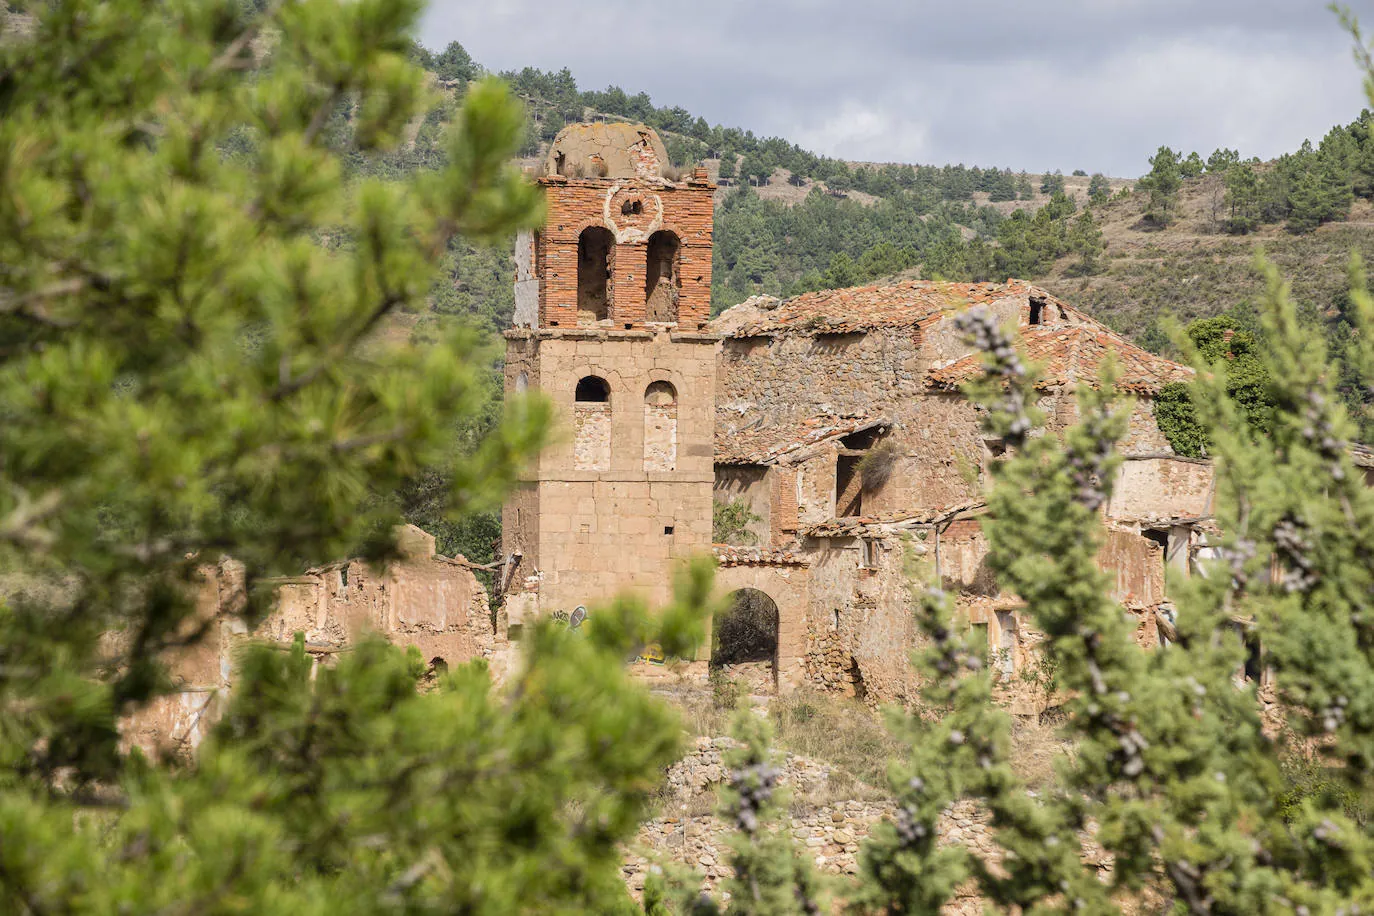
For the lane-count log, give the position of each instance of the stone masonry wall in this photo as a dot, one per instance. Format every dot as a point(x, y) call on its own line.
point(617, 523)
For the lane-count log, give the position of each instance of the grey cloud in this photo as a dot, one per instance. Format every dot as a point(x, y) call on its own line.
point(1094, 84)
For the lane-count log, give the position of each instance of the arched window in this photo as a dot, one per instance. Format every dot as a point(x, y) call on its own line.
point(594, 247)
point(660, 427)
point(592, 425)
point(662, 281)
point(592, 390)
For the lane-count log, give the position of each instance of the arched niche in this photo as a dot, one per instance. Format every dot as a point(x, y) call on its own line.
point(660, 427)
point(592, 424)
point(663, 276)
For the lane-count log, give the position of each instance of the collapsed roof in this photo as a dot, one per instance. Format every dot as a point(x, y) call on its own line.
point(772, 442)
point(1068, 356)
point(914, 303)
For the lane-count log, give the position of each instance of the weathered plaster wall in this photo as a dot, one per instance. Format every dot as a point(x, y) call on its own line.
point(860, 627)
point(748, 484)
point(1162, 488)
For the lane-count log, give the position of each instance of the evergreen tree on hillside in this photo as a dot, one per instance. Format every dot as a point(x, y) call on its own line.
point(1052, 183)
point(1086, 242)
point(1099, 189)
point(1193, 166)
point(1243, 198)
point(1221, 160)
point(1162, 182)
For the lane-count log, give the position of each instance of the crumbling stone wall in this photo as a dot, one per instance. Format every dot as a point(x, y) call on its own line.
point(866, 613)
point(424, 600)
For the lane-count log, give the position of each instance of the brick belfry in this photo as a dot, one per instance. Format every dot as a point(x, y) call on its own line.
point(612, 298)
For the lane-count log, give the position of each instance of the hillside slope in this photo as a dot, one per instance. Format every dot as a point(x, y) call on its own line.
point(1192, 269)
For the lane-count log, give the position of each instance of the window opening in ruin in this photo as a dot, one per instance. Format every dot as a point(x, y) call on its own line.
point(632, 208)
point(848, 487)
point(660, 427)
point(1254, 664)
point(746, 635)
point(662, 280)
point(1037, 311)
point(592, 390)
point(594, 247)
point(1008, 641)
point(870, 552)
point(668, 529)
point(343, 577)
point(592, 425)
point(980, 636)
point(1160, 537)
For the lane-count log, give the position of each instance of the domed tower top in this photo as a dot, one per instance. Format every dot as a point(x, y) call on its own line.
point(623, 151)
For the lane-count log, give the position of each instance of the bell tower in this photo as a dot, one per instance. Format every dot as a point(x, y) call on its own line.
point(612, 299)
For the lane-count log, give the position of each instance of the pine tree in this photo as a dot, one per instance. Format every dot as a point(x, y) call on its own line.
point(1163, 183)
point(1085, 241)
point(1242, 200)
point(1099, 189)
point(191, 290)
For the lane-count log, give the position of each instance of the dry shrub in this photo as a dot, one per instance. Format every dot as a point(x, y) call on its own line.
point(875, 468)
point(1036, 744)
point(839, 731)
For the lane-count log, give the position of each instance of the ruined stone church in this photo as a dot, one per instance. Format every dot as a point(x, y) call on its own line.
point(831, 426)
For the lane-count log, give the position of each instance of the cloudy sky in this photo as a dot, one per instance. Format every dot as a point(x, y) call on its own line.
point(1091, 84)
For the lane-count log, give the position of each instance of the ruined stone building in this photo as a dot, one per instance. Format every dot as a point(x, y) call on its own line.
point(422, 600)
point(830, 423)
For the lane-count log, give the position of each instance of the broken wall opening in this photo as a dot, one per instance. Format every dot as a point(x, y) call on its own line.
point(592, 424)
point(662, 280)
point(863, 465)
point(660, 427)
point(594, 264)
point(746, 634)
point(848, 486)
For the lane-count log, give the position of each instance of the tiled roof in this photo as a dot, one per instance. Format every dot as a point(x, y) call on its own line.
point(756, 556)
point(766, 443)
point(862, 308)
point(1071, 354)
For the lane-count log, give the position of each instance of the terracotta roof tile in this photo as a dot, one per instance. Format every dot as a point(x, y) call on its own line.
point(756, 556)
point(861, 308)
point(1068, 355)
point(767, 443)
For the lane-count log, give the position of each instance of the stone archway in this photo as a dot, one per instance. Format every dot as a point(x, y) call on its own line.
point(744, 639)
